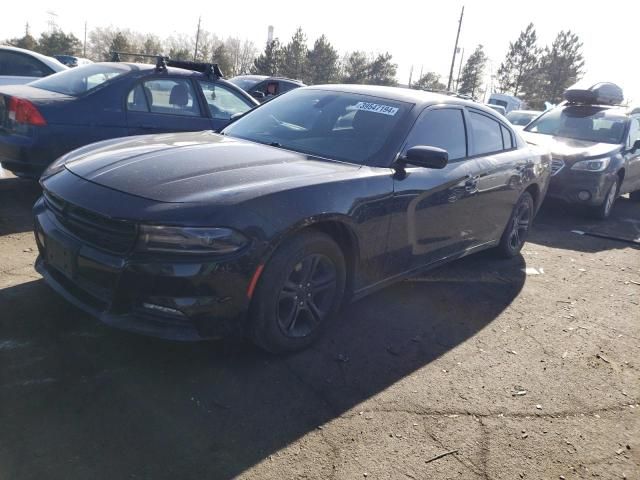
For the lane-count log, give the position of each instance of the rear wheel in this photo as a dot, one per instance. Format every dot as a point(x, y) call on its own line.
point(299, 291)
point(603, 211)
point(515, 235)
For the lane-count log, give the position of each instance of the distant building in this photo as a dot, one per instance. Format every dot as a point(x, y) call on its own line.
point(270, 34)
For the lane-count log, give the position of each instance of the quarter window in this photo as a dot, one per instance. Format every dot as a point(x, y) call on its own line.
point(442, 128)
point(223, 102)
point(507, 140)
point(487, 134)
point(171, 96)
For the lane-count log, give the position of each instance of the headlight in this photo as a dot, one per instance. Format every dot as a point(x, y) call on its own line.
point(218, 241)
point(598, 165)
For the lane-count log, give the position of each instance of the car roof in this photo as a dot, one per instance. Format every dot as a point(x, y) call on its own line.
point(48, 61)
point(286, 79)
point(418, 97)
point(147, 67)
point(532, 112)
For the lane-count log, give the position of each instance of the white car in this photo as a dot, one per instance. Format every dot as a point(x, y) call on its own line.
point(521, 118)
point(18, 65)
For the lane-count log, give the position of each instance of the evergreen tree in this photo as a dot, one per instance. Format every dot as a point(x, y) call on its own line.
point(473, 72)
point(119, 43)
point(520, 62)
point(221, 57)
point(27, 42)
point(269, 61)
point(562, 65)
point(382, 71)
point(294, 63)
point(356, 68)
point(59, 43)
point(429, 81)
point(322, 63)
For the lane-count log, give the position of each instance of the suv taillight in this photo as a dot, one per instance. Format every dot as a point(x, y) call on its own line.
point(23, 111)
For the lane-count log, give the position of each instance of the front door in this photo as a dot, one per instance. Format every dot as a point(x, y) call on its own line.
point(433, 209)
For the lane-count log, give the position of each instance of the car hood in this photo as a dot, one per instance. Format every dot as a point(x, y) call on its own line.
point(198, 167)
point(562, 147)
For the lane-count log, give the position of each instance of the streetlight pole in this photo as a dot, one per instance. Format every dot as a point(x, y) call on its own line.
point(453, 58)
point(195, 53)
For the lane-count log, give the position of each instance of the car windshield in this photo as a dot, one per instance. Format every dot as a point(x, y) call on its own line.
point(81, 79)
point(245, 83)
point(341, 126)
point(593, 124)
point(521, 118)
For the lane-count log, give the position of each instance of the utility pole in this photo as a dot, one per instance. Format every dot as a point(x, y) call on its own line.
point(453, 59)
point(410, 75)
point(84, 49)
point(459, 70)
point(195, 53)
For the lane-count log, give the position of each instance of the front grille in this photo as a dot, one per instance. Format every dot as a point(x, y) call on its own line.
point(556, 165)
point(116, 236)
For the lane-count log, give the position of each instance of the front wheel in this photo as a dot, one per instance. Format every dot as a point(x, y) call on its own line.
point(300, 289)
point(517, 230)
point(603, 211)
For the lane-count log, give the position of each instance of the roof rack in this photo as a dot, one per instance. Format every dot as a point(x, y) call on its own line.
point(449, 93)
point(211, 70)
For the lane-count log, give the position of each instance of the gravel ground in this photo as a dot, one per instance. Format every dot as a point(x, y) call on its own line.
point(510, 369)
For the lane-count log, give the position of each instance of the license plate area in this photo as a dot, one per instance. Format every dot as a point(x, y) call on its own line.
point(62, 257)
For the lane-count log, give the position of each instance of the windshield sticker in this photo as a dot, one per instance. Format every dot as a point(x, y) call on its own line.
point(376, 108)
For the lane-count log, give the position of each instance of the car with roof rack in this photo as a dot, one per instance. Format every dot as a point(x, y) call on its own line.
point(48, 118)
point(595, 146)
point(263, 87)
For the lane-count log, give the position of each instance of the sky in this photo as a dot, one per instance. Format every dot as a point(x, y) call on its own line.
point(418, 34)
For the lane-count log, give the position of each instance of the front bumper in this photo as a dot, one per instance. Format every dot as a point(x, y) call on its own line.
point(570, 186)
point(167, 297)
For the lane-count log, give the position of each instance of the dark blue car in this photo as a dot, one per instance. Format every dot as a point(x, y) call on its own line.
point(47, 118)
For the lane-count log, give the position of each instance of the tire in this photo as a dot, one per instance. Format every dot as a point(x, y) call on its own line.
point(635, 196)
point(287, 312)
point(517, 229)
point(603, 211)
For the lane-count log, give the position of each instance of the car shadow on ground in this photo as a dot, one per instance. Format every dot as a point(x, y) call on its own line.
point(81, 400)
point(17, 196)
point(559, 225)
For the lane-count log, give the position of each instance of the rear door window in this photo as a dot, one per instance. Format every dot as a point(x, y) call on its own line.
point(20, 65)
point(137, 101)
point(172, 97)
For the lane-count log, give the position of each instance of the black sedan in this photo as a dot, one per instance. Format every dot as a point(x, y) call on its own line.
point(52, 116)
point(316, 198)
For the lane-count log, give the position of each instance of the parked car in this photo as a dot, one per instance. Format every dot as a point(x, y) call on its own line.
point(508, 102)
point(521, 118)
point(267, 228)
point(264, 88)
point(595, 145)
point(52, 116)
point(18, 66)
point(72, 61)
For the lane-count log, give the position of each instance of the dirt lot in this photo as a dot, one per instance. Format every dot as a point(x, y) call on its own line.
point(532, 375)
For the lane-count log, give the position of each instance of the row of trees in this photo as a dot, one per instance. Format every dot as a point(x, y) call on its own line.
point(322, 63)
point(234, 55)
point(319, 64)
point(534, 73)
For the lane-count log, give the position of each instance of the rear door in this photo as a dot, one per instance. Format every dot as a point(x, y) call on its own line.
point(497, 170)
point(165, 104)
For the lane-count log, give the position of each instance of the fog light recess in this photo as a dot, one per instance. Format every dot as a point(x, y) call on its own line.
point(162, 309)
point(584, 195)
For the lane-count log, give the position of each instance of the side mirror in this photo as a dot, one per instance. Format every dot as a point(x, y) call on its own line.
point(258, 95)
point(426, 157)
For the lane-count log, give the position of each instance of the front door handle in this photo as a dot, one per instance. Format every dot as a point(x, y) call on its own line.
point(471, 185)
